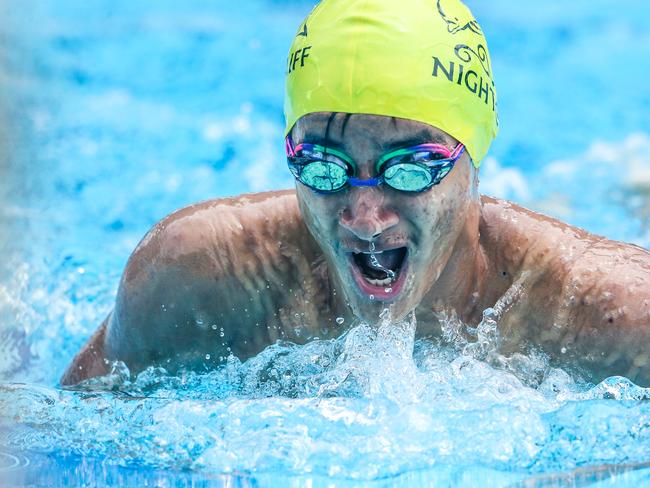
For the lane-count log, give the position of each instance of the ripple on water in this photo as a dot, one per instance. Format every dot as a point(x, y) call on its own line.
point(11, 462)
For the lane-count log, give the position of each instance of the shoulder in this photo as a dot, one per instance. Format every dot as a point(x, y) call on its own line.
point(206, 261)
point(202, 236)
point(584, 292)
point(612, 282)
point(576, 261)
point(587, 265)
point(521, 239)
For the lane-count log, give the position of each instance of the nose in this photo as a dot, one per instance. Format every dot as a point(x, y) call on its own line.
point(366, 214)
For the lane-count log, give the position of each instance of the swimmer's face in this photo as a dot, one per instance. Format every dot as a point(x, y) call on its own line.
point(412, 234)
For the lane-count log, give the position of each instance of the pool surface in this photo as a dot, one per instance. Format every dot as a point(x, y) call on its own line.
point(113, 114)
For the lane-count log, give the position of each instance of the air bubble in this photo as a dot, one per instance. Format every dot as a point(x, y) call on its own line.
point(207, 356)
point(340, 320)
point(489, 314)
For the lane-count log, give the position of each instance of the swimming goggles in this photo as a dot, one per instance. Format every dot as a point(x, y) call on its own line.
point(413, 169)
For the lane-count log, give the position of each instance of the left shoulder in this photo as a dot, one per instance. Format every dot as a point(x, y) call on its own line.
point(589, 278)
point(611, 282)
point(587, 298)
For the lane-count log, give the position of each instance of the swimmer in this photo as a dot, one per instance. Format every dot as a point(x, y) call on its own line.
point(390, 108)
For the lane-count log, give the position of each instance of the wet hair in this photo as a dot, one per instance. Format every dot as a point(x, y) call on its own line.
point(330, 119)
point(344, 123)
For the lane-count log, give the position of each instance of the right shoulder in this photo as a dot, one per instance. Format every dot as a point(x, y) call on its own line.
point(206, 236)
point(205, 260)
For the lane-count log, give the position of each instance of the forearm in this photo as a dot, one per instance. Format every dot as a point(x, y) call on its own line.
point(90, 361)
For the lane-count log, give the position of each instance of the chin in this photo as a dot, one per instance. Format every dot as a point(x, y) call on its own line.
point(369, 310)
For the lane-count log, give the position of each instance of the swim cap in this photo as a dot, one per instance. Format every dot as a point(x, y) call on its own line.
point(424, 60)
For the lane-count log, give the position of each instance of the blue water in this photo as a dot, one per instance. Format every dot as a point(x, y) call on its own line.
point(113, 114)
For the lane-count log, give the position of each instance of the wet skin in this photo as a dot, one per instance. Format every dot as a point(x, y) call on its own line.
point(235, 275)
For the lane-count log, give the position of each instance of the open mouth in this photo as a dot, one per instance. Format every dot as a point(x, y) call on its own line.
point(380, 274)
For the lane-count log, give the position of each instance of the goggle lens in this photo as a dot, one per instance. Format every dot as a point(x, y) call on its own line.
point(324, 176)
point(408, 177)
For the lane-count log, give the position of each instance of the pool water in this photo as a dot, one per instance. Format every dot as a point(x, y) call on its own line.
point(113, 114)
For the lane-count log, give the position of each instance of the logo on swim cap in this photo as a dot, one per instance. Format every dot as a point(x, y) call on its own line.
point(303, 32)
point(422, 60)
point(455, 25)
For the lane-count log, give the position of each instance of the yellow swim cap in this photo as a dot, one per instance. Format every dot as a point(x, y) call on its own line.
point(424, 60)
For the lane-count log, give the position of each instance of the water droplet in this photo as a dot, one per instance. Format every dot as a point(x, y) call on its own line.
point(376, 264)
point(489, 313)
point(372, 246)
point(563, 350)
point(340, 320)
point(372, 297)
point(214, 326)
point(207, 356)
point(388, 290)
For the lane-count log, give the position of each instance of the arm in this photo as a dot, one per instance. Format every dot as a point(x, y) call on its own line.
point(154, 298)
point(607, 299)
point(219, 266)
point(90, 360)
point(587, 299)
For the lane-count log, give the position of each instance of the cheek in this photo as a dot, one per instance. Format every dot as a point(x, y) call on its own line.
point(440, 217)
point(318, 212)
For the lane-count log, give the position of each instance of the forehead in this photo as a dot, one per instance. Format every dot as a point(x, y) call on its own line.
point(341, 128)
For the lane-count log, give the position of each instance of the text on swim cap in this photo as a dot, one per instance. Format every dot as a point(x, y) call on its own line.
point(468, 78)
point(297, 55)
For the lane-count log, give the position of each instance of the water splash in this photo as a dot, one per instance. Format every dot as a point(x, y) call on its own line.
point(375, 263)
point(373, 403)
point(355, 372)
